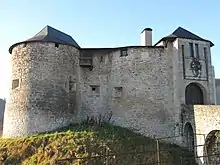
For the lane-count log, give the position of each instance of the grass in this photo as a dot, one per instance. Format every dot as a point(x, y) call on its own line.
point(62, 147)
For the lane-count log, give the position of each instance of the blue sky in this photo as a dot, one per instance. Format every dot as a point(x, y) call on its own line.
point(105, 23)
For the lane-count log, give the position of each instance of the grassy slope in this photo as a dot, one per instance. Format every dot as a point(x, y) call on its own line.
point(82, 141)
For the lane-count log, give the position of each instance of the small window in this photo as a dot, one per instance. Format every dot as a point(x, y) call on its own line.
point(117, 91)
point(56, 45)
point(15, 83)
point(183, 50)
point(197, 50)
point(123, 52)
point(95, 89)
point(101, 59)
point(72, 84)
point(205, 52)
point(24, 45)
point(191, 50)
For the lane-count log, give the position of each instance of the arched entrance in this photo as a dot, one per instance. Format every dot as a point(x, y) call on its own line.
point(212, 147)
point(189, 136)
point(193, 95)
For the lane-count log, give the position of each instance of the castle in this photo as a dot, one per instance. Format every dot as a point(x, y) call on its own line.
point(161, 90)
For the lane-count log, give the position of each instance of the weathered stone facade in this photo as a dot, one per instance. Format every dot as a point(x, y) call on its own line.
point(147, 88)
point(144, 89)
point(42, 102)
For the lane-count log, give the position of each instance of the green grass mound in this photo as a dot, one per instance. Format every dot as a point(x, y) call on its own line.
point(84, 145)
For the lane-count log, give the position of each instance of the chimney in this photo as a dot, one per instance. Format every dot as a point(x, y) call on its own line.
point(146, 37)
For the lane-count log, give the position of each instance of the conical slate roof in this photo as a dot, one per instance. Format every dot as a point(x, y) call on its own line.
point(183, 33)
point(50, 34)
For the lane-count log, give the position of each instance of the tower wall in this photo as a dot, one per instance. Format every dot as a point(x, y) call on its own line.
point(42, 100)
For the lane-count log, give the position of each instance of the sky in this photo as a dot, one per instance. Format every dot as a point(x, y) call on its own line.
point(104, 23)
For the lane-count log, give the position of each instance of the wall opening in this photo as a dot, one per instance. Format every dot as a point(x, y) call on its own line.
point(95, 89)
point(212, 147)
point(15, 83)
point(72, 84)
point(193, 95)
point(101, 59)
point(56, 45)
point(123, 52)
point(117, 91)
point(189, 136)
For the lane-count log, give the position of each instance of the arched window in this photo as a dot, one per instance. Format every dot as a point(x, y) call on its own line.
point(193, 95)
point(212, 147)
point(189, 136)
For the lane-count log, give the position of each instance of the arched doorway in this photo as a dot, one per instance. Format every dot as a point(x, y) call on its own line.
point(189, 136)
point(212, 147)
point(193, 95)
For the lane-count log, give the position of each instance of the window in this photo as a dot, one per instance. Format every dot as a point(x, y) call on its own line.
point(95, 89)
point(117, 91)
point(205, 52)
point(197, 50)
point(56, 45)
point(183, 50)
point(124, 52)
point(191, 50)
point(15, 83)
point(101, 59)
point(24, 45)
point(72, 84)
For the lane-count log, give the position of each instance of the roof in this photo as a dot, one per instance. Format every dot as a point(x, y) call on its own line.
point(50, 34)
point(183, 33)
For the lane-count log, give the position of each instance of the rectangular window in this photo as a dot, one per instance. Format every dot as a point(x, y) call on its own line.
point(15, 83)
point(183, 50)
point(191, 50)
point(124, 52)
point(197, 50)
point(117, 92)
point(95, 89)
point(56, 45)
point(101, 59)
point(72, 84)
point(205, 52)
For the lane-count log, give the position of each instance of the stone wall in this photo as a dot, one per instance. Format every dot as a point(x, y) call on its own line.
point(42, 101)
point(145, 103)
point(2, 110)
point(204, 119)
point(96, 102)
point(137, 88)
point(183, 76)
point(208, 87)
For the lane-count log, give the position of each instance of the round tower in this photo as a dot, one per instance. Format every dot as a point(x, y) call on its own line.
point(43, 94)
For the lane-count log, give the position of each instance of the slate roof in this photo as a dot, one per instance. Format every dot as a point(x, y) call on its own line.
point(183, 33)
point(50, 34)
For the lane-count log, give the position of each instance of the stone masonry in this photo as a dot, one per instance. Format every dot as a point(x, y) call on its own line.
point(147, 88)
